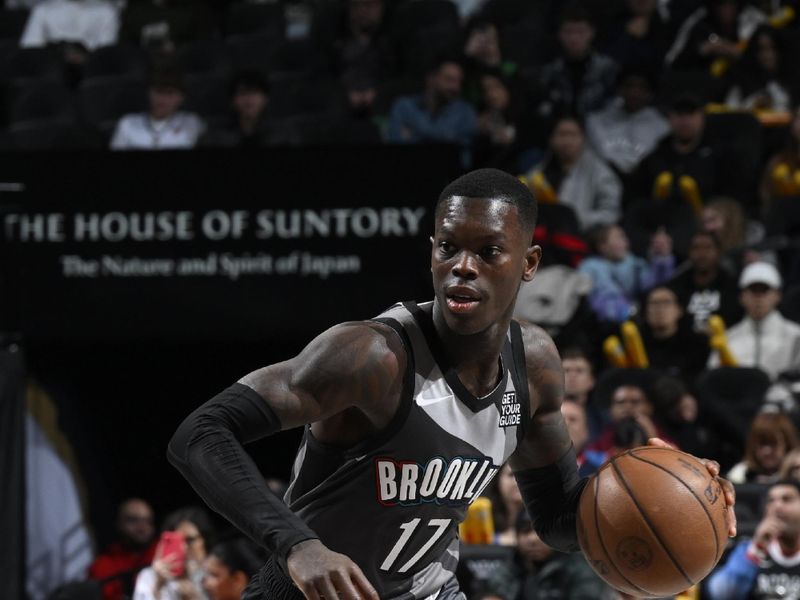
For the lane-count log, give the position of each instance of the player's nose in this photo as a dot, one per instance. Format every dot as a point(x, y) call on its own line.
point(465, 266)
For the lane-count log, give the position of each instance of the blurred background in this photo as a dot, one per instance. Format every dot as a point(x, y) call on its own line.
point(191, 190)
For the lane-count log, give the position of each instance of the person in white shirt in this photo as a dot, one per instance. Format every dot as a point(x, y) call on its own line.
point(764, 338)
point(628, 128)
point(164, 126)
point(88, 23)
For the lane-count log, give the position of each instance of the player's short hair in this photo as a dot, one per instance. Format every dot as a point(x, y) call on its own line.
point(495, 184)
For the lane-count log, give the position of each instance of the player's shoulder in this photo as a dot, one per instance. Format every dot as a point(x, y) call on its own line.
point(538, 343)
point(367, 343)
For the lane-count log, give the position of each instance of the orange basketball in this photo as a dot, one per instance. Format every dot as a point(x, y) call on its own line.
point(652, 522)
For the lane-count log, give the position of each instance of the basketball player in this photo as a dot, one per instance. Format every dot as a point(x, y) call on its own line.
point(407, 418)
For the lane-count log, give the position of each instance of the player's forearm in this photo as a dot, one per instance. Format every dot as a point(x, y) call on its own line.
point(551, 496)
point(207, 450)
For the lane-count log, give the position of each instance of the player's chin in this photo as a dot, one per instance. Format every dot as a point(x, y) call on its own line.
point(468, 323)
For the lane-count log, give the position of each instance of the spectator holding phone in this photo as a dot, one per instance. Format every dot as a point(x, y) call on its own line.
point(177, 569)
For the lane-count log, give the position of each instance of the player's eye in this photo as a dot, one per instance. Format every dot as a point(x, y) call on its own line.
point(446, 247)
point(491, 252)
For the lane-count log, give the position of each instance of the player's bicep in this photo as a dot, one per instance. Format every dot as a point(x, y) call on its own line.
point(349, 365)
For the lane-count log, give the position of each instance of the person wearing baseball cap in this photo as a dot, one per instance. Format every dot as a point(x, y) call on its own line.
point(764, 338)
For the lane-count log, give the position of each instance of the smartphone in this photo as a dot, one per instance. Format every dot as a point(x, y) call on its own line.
point(172, 546)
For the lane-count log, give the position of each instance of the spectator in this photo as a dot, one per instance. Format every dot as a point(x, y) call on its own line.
point(782, 174)
point(790, 467)
point(716, 31)
point(436, 115)
point(764, 338)
point(618, 276)
point(739, 237)
point(84, 25)
point(628, 402)
point(771, 437)
point(760, 79)
point(684, 167)
point(576, 421)
point(540, 573)
point(483, 54)
point(164, 126)
point(157, 581)
point(629, 127)
point(503, 128)
point(134, 549)
point(580, 80)
point(506, 499)
point(672, 347)
point(363, 44)
point(571, 173)
point(641, 38)
point(579, 383)
point(768, 566)
point(249, 126)
point(705, 288)
point(677, 412)
point(161, 26)
point(229, 567)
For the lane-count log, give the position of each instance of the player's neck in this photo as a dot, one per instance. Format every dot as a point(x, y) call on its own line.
point(475, 357)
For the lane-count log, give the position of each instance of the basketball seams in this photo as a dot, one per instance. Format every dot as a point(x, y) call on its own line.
point(600, 536)
point(647, 520)
point(699, 500)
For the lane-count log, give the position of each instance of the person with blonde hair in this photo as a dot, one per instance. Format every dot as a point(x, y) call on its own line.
point(790, 467)
point(772, 436)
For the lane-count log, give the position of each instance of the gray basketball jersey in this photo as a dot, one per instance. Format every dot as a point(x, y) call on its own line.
point(393, 502)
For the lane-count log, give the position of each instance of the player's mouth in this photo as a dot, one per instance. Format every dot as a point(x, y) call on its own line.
point(462, 300)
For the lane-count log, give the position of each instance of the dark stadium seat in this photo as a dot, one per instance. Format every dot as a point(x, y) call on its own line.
point(739, 134)
point(294, 56)
point(104, 100)
point(41, 101)
point(749, 508)
point(12, 24)
point(251, 51)
point(301, 94)
point(55, 134)
point(204, 56)
point(728, 399)
point(413, 16)
point(525, 44)
point(207, 95)
point(422, 31)
point(114, 61)
point(266, 18)
point(25, 65)
point(790, 304)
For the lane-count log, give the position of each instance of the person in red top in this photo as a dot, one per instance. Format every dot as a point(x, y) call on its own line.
point(117, 566)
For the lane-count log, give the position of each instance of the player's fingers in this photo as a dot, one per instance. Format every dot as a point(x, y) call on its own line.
point(731, 522)
point(347, 591)
point(326, 589)
point(712, 466)
point(658, 443)
point(366, 591)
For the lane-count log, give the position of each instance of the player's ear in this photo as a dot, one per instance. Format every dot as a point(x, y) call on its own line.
point(533, 255)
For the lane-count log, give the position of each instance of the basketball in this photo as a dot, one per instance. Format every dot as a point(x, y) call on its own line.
point(652, 522)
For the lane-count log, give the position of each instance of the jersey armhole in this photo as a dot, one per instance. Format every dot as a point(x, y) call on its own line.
point(519, 373)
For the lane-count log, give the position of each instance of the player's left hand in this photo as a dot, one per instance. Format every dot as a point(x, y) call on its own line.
point(713, 468)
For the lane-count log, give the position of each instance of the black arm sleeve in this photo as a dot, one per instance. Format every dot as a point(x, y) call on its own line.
point(551, 496)
point(207, 450)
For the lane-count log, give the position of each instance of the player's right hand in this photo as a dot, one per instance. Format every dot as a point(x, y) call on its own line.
point(321, 573)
